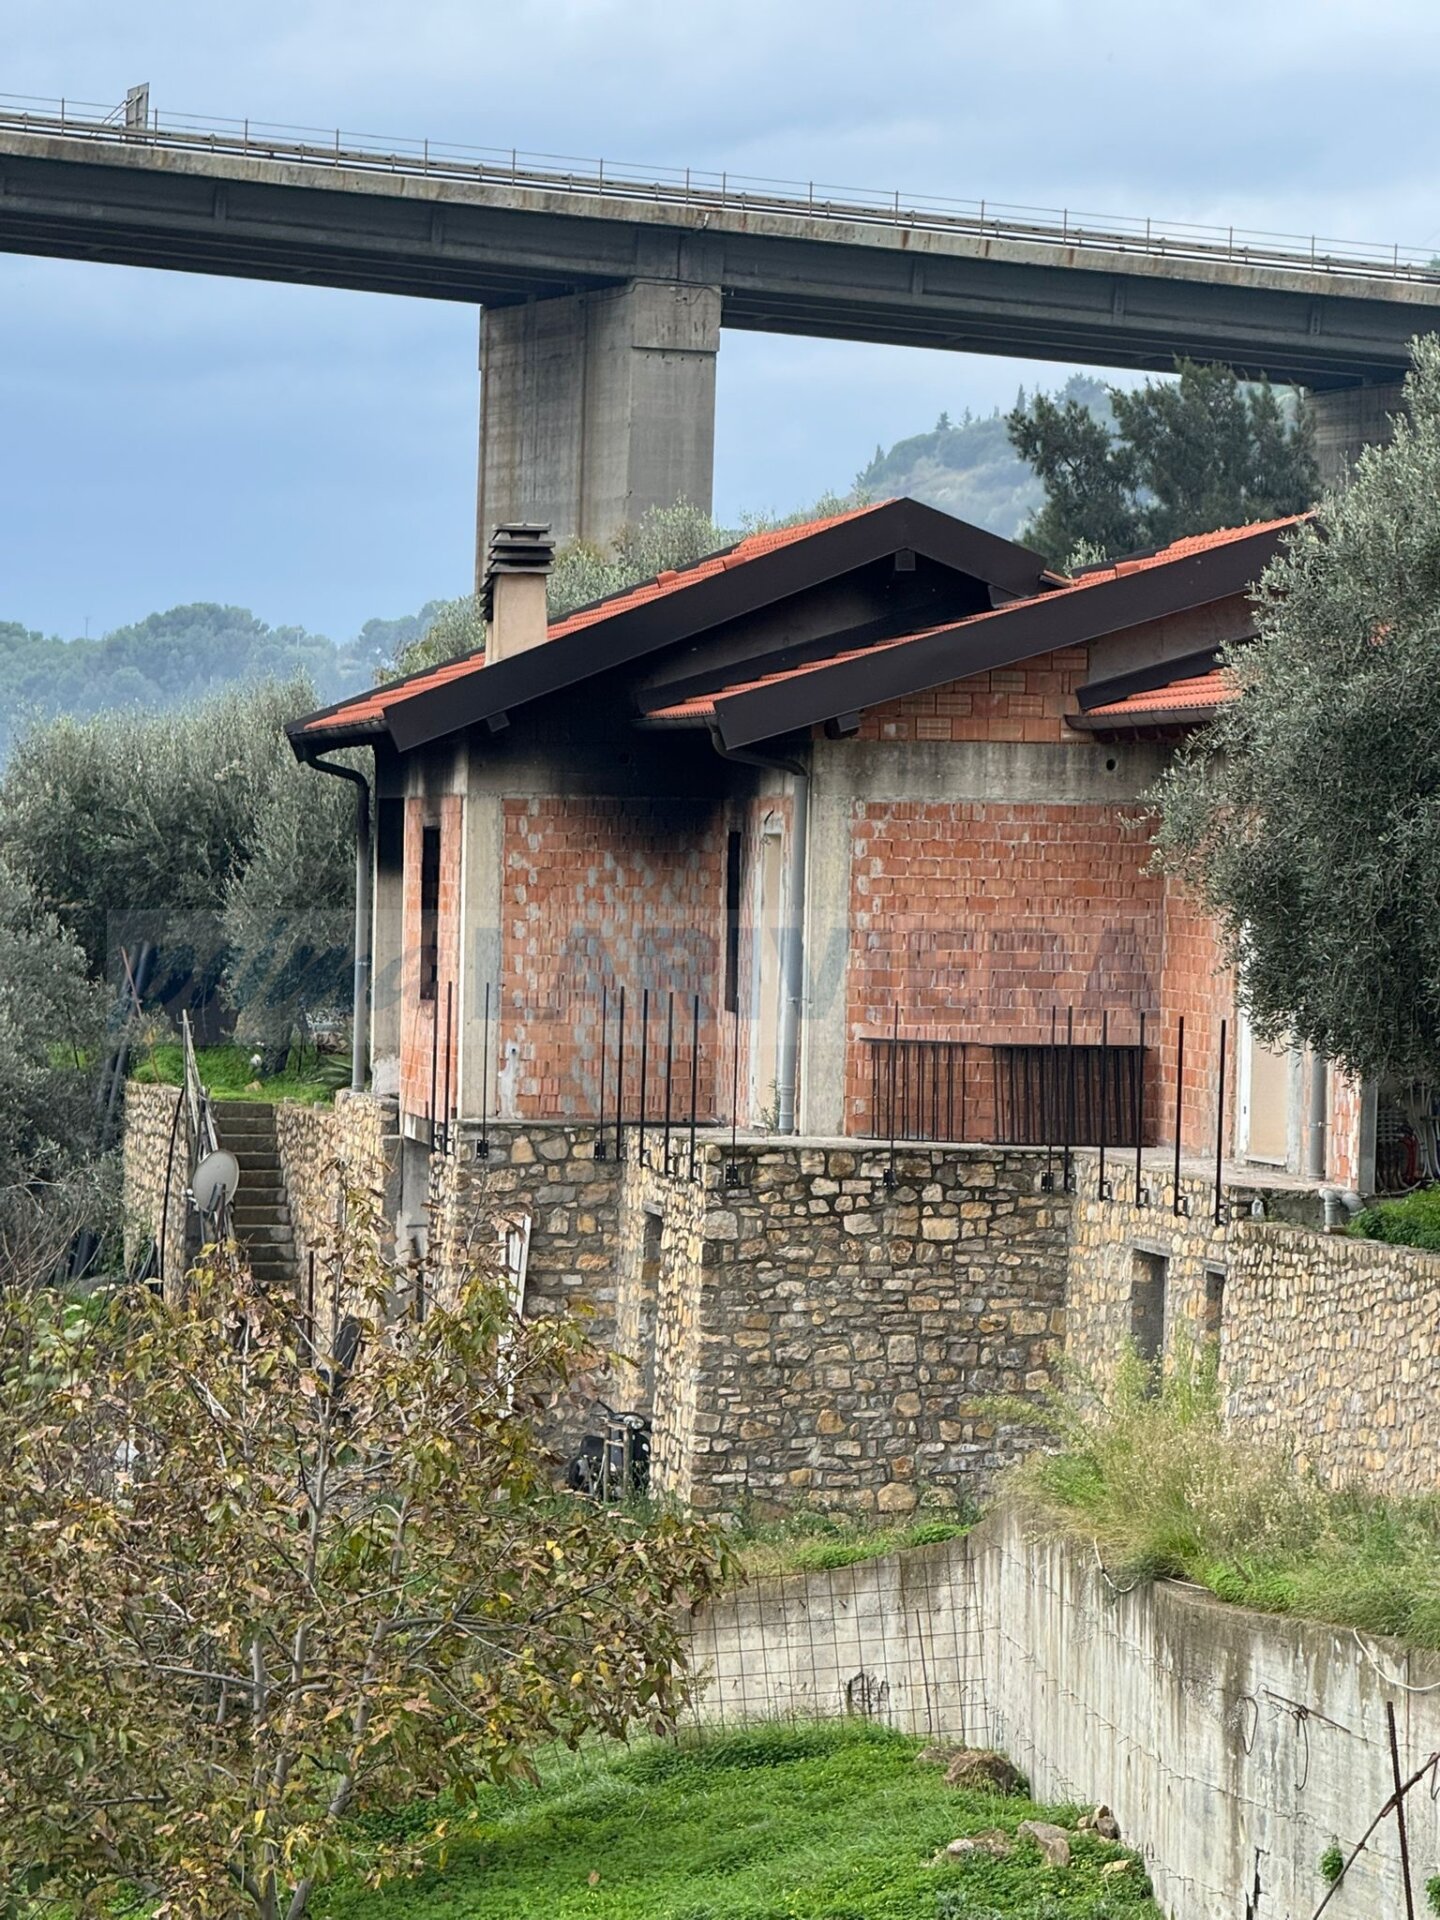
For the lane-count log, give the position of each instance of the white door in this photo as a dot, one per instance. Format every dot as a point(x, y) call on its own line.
point(1268, 1080)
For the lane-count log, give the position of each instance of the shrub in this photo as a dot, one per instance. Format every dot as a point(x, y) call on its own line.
point(1413, 1221)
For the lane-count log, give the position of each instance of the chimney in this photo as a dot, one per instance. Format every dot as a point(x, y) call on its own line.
point(514, 590)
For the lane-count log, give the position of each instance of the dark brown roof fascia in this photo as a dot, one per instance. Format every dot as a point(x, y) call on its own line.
point(630, 635)
point(980, 645)
point(1184, 666)
point(1157, 723)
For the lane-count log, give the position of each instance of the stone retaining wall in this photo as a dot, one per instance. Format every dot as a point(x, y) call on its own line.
point(149, 1127)
point(1327, 1343)
point(833, 1337)
point(1333, 1344)
point(325, 1150)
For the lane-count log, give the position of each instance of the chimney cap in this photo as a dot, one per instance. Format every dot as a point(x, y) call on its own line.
point(519, 546)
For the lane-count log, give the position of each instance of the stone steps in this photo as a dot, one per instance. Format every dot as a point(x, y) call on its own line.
point(260, 1216)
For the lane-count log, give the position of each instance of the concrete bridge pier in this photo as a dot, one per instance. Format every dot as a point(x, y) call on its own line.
point(595, 406)
point(1349, 419)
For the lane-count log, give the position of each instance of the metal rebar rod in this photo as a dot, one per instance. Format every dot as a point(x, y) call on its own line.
point(1220, 1135)
point(669, 1079)
point(644, 1070)
point(1179, 1109)
point(1140, 1116)
point(694, 1074)
point(732, 1170)
point(894, 1068)
point(964, 1056)
point(1047, 1104)
point(620, 1082)
point(1405, 1879)
point(449, 1055)
point(482, 1145)
point(434, 1064)
point(1104, 1098)
point(604, 1036)
point(1069, 1100)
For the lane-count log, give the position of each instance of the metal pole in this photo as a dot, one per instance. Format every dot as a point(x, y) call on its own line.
point(1047, 1109)
point(1400, 1811)
point(604, 1036)
point(694, 1075)
point(894, 1066)
point(644, 1068)
point(482, 1145)
point(1220, 1136)
point(1069, 1103)
point(1140, 1118)
point(1178, 1201)
point(669, 1080)
point(434, 1062)
point(1102, 1188)
point(449, 1047)
point(732, 1170)
point(620, 1083)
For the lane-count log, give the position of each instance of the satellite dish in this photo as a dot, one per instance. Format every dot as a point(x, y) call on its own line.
point(216, 1178)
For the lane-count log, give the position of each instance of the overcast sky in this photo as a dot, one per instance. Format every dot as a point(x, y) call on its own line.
point(311, 454)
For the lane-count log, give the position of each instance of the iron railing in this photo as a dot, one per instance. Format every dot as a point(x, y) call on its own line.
point(707, 190)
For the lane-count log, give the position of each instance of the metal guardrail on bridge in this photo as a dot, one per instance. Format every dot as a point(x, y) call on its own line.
point(701, 189)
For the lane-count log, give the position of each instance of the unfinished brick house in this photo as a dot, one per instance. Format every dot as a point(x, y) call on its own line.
point(829, 839)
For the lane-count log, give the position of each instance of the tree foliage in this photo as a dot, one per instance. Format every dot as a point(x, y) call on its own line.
point(199, 832)
point(261, 1587)
point(1307, 817)
point(1204, 450)
point(661, 539)
point(51, 1027)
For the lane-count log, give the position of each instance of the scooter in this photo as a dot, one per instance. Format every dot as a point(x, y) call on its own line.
point(615, 1464)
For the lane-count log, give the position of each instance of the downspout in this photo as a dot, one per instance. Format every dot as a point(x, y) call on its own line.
point(792, 950)
point(364, 916)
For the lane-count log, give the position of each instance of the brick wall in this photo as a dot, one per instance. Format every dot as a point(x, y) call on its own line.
point(1026, 702)
point(978, 920)
point(1193, 984)
point(600, 893)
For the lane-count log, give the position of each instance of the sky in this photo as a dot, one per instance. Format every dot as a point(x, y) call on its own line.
point(310, 453)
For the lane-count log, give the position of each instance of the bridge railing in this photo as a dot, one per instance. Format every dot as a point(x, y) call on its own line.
point(700, 189)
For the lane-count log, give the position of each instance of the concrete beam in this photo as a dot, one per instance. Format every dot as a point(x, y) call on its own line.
point(597, 406)
point(1349, 419)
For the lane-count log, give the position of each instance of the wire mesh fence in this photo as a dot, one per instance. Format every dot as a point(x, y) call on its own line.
point(895, 1641)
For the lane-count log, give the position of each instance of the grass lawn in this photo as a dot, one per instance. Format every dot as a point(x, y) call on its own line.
point(808, 1541)
point(830, 1822)
point(228, 1074)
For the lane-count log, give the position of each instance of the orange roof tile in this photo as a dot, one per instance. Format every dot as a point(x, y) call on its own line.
point(367, 708)
point(1203, 691)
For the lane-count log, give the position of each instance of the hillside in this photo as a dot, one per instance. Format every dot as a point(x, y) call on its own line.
point(969, 468)
point(966, 467)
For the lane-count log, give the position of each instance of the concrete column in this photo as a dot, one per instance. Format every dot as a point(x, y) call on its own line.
point(387, 945)
point(481, 881)
point(1348, 419)
point(596, 406)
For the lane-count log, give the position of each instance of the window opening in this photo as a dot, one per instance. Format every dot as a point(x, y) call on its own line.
point(429, 912)
point(1147, 1304)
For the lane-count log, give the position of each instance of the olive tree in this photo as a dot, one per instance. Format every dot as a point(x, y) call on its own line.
point(1307, 817)
point(268, 1577)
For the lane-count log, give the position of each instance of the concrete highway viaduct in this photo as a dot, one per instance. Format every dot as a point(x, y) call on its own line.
point(604, 293)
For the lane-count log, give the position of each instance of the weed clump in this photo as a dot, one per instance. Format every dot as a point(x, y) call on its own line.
point(1146, 1474)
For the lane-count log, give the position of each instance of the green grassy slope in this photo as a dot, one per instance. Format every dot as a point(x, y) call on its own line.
point(833, 1822)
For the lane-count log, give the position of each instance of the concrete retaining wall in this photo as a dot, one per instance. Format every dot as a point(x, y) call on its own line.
point(1234, 1747)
